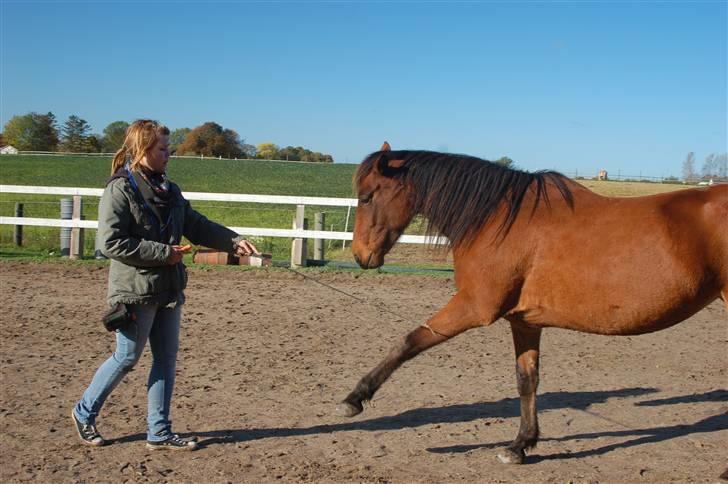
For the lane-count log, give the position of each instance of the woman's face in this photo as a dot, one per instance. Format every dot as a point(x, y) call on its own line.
point(157, 156)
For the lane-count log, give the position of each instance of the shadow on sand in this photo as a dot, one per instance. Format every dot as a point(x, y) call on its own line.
point(505, 408)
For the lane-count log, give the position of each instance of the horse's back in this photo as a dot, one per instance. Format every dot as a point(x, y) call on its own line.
point(627, 265)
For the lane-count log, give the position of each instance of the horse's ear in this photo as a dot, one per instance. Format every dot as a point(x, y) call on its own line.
point(389, 167)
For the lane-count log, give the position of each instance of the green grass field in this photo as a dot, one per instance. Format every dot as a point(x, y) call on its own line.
point(216, 176)
point(192, 174)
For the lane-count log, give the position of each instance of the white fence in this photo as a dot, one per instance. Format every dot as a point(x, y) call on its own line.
point(218, 197)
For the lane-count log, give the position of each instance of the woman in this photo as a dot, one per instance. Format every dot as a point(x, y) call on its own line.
point(142, 218)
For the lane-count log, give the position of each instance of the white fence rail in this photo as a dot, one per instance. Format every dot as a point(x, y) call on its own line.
point(217, 197)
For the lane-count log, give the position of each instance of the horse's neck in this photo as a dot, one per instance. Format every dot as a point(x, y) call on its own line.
point(552, 194)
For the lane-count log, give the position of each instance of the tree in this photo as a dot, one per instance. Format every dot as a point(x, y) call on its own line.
point(291, 153)
point(114, 135)
point(48, 131)
point(688, 167)
point(177, 137)
point(249, 151)
point(722, 166)
point(73, 135)
point(93, 144)
point(505, 161)
point(710, 166)
point(322, 158)
point(267, 151)
point(314, 156)
point(32, 132)
point(211, 139)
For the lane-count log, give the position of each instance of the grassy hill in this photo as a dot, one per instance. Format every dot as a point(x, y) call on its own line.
point(192, 174)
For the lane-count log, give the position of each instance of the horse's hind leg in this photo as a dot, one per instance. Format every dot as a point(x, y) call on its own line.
point(451, 320)
point(526, 341)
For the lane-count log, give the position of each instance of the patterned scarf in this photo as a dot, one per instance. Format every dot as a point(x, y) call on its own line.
point(159, 185)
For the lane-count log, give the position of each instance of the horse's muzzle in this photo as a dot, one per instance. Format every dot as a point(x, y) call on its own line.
point(370, 263)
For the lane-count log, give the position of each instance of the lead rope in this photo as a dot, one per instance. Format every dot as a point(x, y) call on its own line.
point(381, 307)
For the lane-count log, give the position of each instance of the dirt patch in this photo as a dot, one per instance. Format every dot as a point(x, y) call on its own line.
point(265, 356)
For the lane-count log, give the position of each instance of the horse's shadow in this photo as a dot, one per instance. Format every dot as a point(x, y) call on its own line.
point(644, 436)
point(713, 423)
point(714, 396)
point(505, 408)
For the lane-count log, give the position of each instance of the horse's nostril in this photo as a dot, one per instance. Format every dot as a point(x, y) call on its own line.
point(356, 258)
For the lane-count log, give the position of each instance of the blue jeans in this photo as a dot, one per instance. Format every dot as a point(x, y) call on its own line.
point(160, 326)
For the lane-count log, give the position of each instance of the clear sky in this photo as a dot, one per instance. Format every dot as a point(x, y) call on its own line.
point(630, 87)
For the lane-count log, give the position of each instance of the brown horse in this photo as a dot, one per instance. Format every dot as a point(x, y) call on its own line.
point(539, 250)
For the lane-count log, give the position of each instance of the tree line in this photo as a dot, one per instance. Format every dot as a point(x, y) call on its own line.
point(715, 166)
point(40, 132)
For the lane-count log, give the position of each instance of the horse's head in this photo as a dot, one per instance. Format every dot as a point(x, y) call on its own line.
point(384, 210)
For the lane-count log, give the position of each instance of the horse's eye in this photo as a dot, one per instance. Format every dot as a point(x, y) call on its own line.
point(366, 198)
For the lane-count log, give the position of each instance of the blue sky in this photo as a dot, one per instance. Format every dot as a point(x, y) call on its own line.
point(630, 87)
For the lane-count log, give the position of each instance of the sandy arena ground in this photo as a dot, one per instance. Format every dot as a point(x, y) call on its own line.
point(265, 357)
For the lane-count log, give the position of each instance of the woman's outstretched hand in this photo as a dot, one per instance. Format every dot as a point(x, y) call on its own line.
point(177, 252)
point(244, 247)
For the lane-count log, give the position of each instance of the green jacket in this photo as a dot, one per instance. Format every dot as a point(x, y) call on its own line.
point(132, 240)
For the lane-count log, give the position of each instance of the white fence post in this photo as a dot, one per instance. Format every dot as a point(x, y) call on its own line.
point(65, 232)
point(318, 244)
point(299, 247)
point(77, 232)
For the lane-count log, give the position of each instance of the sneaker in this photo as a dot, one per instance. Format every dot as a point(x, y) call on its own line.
point(173, 442)
point(87, 432)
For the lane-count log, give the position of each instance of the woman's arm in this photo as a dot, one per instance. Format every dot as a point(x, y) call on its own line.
point(201, 231)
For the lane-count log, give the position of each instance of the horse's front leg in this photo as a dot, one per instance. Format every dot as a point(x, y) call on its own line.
point(453, 319)
point(526, 341)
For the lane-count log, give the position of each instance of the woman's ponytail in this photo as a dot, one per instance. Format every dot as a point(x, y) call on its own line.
point(119, 159)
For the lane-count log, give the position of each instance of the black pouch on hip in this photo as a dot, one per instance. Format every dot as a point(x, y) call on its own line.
point(118, 316)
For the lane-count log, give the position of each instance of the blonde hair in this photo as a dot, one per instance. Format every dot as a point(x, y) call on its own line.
point(141, 136)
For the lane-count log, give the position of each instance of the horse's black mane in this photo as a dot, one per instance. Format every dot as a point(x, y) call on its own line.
point(458, 194)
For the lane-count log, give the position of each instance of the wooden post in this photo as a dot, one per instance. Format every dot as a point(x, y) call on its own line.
point(18, 231)
point(318, 244)
point(77, 233)
point(299, 247)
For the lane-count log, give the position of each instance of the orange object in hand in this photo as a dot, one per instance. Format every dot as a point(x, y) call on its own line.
point(183, 248)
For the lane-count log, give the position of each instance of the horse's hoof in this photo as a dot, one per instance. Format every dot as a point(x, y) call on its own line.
point(508, 456)
point(346, 409)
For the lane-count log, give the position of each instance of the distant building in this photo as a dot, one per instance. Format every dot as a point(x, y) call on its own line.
point(603, 175)
point(8, 150)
